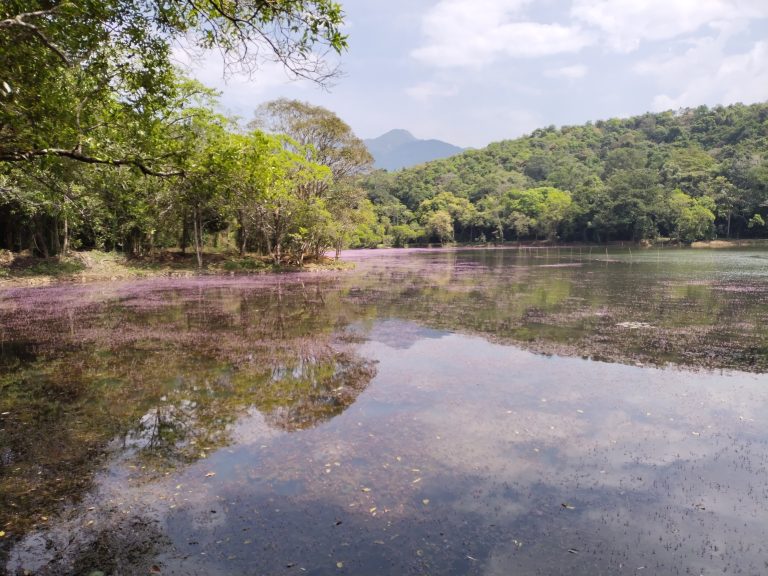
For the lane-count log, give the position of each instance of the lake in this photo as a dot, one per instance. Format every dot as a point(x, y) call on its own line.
point(568, 411)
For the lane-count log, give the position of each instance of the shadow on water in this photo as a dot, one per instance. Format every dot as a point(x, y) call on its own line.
point(353, 423)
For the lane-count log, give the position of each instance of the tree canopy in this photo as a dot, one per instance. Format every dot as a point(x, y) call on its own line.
point(686, 175)
point(74, 72)
point(91, 107)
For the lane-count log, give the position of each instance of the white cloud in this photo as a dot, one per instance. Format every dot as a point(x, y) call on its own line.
point(625, 24)
point(570, 72)
point(464, 33)
point(425, 91)
point(704, 74)
point(241, 94)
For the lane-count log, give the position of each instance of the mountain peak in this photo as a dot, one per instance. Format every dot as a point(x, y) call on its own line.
point(399, 148)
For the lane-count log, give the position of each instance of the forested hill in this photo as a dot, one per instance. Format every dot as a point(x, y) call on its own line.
point(687, 175)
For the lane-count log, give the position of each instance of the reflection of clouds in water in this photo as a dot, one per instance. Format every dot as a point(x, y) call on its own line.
point(670, 443)
point(397, 334)
point(515, 458)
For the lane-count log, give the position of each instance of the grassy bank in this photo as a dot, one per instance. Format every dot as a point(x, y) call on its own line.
point(754, 243)
point(27, 270)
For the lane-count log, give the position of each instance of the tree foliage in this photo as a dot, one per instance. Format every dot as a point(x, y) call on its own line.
point(75, 73)
point(105, 144)
point(686, 175)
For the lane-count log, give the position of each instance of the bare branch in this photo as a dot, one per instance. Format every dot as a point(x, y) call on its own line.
point(19, 21)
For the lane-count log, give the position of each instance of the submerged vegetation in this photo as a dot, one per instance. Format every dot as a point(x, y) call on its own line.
point(143, 423)
point(158, 375)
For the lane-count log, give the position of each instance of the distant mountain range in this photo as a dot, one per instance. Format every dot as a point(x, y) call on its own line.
point(400, 149)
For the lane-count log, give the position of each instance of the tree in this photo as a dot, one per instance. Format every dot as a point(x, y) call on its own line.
point(73, 70)
point(322, 138)
point(693, 218)
point(439, 224)
point(555, 210)
point(321, 135)
point(463, 213)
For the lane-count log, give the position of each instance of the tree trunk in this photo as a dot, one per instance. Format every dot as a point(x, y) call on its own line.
point(277, 255)
point(54, 235)
point(65, 245)
point(198, 237)
point(184, 232)
point(242, 234)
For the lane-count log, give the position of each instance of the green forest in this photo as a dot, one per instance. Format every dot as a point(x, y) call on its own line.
point(689, 175)
point(106, 144)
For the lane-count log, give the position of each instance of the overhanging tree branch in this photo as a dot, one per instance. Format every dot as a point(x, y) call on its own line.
point(20, 21)
point(80, 157)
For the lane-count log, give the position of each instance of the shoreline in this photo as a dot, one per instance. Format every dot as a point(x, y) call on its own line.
point(17, 271)
point(22, 270)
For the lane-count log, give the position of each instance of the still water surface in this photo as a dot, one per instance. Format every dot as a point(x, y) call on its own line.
point(433, 412)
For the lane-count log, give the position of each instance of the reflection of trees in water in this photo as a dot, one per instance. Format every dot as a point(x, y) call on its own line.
point(197, 417)
point(569, 304)
point(159, 376)
point(326, 390)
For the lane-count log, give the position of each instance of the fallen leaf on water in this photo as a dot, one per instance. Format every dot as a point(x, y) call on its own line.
point(155, 569)
point(425, 501)
point(366, 489)
point(2, 533)
point(372, 510)
point(210, 474)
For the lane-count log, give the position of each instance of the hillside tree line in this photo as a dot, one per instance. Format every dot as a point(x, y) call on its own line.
point(689, 175)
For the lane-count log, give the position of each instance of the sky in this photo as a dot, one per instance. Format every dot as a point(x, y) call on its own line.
point(471, 72)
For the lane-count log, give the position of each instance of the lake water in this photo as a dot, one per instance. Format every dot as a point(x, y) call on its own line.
point(482, 412)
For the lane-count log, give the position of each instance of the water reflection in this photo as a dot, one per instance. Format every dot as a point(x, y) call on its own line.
point(158, 373)
point(700, 309)
point(352, 424)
